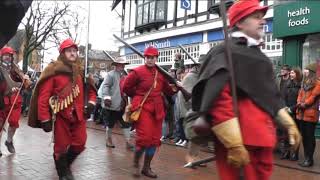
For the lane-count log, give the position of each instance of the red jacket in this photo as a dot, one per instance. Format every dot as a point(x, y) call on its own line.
point(138, 83)
point(256, 126)
point(311, 100)
point(53, 86)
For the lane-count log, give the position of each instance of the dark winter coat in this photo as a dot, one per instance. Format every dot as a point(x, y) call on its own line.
point(291, 94)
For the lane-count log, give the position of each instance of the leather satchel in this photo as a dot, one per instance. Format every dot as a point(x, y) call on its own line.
point(133, 116)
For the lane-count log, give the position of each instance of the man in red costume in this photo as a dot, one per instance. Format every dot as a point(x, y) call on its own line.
point(7, 56)
point(245, 142)
point(62, 84)
point(148, 128)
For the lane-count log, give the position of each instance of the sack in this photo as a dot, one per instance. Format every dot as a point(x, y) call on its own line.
point(197, 128)
point(131, 116)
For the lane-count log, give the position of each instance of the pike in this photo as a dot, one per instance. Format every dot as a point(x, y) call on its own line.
point(222, 13)
point(112, 58)
point(228, 55)
point(86, 66)
point(5, 124)
point(172, 80)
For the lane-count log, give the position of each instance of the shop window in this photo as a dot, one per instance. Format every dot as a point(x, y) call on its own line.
point(311, 49)
point(166, 56)
point(150, 14)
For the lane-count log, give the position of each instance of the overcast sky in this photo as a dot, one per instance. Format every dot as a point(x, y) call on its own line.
point(103, 23)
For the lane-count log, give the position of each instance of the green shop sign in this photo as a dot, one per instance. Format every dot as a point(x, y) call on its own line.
point(296, 18)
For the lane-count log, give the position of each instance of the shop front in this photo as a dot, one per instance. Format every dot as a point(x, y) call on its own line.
point(297, 24)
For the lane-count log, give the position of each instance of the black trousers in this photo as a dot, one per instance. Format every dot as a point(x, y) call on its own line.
point(307, 130)
point(111, 117)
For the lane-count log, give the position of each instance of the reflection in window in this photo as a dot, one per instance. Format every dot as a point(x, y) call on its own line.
point(311, 49)
point(139, 14)
point(149, 11)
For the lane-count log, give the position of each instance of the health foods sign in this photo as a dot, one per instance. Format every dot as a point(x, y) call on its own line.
point(296, 18)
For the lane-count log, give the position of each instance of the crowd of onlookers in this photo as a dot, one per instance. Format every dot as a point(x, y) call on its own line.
point(300, 90)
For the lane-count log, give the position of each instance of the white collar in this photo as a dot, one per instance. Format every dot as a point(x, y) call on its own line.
point(250, 41)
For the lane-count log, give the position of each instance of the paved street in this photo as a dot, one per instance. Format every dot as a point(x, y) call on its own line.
point(33, 160)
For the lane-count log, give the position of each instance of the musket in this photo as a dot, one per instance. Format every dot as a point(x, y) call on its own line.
point(171, 80)
point(189, 55)
point(199, 162)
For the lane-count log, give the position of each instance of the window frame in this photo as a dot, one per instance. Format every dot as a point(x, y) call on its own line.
point(154, 19)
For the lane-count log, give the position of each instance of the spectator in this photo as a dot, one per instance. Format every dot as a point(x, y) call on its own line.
point(308, 112)
point(291, 95)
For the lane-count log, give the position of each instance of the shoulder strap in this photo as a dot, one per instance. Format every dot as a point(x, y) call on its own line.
point(154, 85)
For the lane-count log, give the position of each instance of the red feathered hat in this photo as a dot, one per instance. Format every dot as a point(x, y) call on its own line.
point(242, 8)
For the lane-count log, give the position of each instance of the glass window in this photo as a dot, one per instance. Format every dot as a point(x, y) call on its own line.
point(152, 11)
point(145, 15)
point(311, 50)
point(149, 11)
point(139, 16)
point(161, 9)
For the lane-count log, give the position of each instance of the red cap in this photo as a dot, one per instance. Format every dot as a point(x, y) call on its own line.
point(151, 51)
point(7, 50)
point(66, 44)
point(243, 8)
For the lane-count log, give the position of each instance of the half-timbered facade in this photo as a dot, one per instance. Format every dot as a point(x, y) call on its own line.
point(169, 23)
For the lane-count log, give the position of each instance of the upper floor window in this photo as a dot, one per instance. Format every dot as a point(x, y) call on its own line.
point(151, 12)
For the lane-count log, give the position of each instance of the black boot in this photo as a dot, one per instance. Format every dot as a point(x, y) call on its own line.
point(62, 168)
point(71, 156)
point(146, 167)
point(10, 147)
point(308, 162)
point(295, 155)
point(285, 154)
point(136, 163)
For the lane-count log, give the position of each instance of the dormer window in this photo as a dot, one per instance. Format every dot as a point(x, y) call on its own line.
point(151, 14)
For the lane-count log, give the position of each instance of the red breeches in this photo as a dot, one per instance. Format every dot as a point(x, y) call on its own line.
point(16, 111)
point(259, 168)
point(148, 130)
point(69, 134)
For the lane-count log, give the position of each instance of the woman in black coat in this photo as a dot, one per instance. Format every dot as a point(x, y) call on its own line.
point(291, 95)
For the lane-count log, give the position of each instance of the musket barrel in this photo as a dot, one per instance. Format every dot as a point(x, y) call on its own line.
point(185, 51)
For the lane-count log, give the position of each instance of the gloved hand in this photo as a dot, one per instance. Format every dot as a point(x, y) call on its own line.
point(46, 126)
point(287, 122)
point(88, 110)
point(229, 135)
